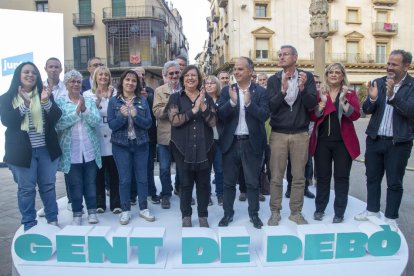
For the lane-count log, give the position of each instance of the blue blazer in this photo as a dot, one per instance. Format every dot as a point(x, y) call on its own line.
point(86, 85)
point(256, 115)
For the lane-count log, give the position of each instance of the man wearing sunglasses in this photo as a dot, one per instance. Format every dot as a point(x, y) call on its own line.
point(93, 63)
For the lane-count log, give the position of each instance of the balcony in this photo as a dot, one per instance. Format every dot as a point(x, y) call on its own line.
point(134, 12)
point(83, 19)
point(384, 29)
point(333, 26)
point(223, 3)
point(384, 2)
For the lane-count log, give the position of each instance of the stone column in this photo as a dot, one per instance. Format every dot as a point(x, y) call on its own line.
point(319, 30)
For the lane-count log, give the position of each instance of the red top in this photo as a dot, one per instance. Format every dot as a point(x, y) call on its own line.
point(348, 133)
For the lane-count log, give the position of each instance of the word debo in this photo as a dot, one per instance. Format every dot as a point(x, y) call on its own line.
point(9, 64)
point(201, 246)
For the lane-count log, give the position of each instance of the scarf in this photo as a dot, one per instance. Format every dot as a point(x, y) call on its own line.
point(35, 110)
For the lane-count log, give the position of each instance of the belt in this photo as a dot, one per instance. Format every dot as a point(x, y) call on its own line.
point(241, 137)
point(385, 137)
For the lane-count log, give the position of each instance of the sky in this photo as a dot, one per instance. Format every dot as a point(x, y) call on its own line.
point(194, 13)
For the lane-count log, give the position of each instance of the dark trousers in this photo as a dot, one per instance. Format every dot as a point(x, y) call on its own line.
point(241, 155)
point(308, 173)
point(108, 173)
point(326, 152)
point(384, 156)
point(242, 182)
point(189, 177)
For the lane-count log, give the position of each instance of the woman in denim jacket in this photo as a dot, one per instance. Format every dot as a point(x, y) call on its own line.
point(129, 118)
point(80, 145)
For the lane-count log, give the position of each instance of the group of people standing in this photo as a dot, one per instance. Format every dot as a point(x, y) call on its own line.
point(102, 136)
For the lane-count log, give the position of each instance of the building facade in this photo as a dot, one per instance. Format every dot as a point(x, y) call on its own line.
point(361, 34)
point(123, 33)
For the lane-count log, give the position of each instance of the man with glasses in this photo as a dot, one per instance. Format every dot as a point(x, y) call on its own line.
point(93, 63)
point(171, 73)
point(292, 93)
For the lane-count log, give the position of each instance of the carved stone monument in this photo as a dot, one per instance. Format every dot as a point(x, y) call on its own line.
point(319, 30)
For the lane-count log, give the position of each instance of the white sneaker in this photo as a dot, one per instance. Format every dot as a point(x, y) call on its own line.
point(77, 221)
point(93, 219)
point(41, 213)
point(392, 223)
point(54, 223)
point(124, 218)
point(365, 214)
point(145, 214)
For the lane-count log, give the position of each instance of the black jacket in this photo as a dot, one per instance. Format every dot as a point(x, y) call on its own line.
point(403, 115)
point(286, 119)
point(18, 150)
point(256, 115)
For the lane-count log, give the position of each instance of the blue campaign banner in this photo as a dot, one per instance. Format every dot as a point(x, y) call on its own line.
point(9, 64)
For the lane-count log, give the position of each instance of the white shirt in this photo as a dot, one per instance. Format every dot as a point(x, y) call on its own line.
point(293, 88)
point(81, 149)
point(58, 90)
point(241, 128)
point(386, 128)
point(104, 132)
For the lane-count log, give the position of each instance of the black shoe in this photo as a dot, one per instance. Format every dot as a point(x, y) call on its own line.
point(165, 202)
point(262, 197)
point(337, 219)
point(318, 215)
point(309, 194)
point(155, 199)
point(225, 220)
point(287, 194)
point(257, 223)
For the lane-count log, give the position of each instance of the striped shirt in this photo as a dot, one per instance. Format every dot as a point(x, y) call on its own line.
point(386, 128)
point(36, 139)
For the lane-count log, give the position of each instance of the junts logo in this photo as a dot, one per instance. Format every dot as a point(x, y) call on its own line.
point(9, 64)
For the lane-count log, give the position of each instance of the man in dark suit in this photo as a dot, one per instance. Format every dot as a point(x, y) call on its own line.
point(243, 110)
point(390, 135)
point(93, 63)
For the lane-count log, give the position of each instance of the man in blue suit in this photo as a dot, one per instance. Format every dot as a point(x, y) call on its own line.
point(93, 63)
point(243, 110)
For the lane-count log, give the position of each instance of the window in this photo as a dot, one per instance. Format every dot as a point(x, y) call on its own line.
point(83, 49)
point(382, 16)
point(262, 48)
point(381, 52)
point(352, 51)
point(85, 13)
point(118, 8)
point(353, 15)
point(261, 10)
point(42, 6)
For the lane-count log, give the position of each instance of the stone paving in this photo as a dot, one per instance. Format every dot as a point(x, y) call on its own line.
point(10, 216)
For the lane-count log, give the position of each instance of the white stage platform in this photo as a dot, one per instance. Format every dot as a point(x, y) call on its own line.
point(169, 258)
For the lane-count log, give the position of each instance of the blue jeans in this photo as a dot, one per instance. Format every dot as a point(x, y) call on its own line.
point(164, 159)
point(218, 170)
point(132, 158)
point(43, 172)
point(82, 184)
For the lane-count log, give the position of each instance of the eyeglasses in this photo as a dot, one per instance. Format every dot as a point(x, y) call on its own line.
point(97, 64)
point(209, 83)
point(75, 81)
point(174, 73)
point(318, 82)
point(284, 54)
